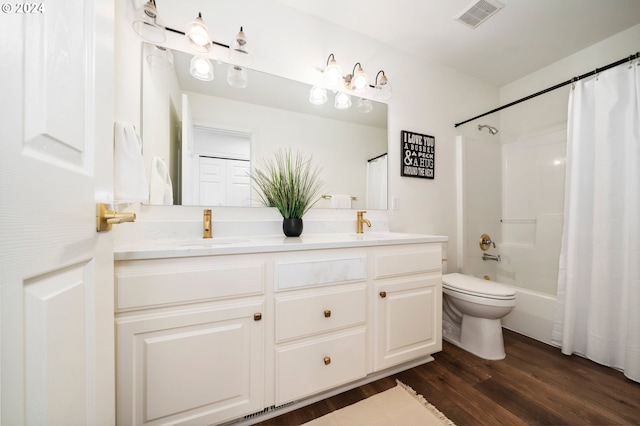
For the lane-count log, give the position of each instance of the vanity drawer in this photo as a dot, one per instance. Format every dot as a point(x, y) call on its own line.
point(317, 311)
point(320, 364)
point(393, 261)
point(148, 284)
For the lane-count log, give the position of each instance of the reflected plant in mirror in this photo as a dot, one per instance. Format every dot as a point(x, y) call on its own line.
point(210, 133)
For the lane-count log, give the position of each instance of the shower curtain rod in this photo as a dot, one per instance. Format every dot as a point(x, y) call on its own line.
point(375, 158)
point(557, 86)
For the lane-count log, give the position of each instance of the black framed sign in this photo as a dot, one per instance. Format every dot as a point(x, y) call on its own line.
point(418, 153)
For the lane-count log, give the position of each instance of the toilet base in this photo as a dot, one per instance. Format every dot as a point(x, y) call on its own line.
point(482, 337)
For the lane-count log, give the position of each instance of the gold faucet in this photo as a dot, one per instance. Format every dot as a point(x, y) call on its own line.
point(207, 224)
point(362, 220)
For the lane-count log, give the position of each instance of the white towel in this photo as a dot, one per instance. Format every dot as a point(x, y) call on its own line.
point(161, 189)
point(130, 179)
point(341, 201)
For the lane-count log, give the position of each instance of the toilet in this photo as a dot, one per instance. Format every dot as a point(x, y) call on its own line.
point(471, 312)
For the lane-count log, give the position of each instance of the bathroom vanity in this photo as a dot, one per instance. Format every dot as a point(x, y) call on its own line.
point(211, 331)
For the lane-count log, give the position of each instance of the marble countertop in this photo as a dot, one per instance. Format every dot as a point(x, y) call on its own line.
point(189, 247)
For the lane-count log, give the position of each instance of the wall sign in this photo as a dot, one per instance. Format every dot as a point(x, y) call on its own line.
point(418, 155)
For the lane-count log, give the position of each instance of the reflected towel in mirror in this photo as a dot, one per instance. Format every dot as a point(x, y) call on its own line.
point(341, 201)
point(161, 189)
point(130, 179)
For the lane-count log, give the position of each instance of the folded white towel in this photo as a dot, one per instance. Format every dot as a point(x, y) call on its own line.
point(161, 189)
point(341, 201)
point(130, 179)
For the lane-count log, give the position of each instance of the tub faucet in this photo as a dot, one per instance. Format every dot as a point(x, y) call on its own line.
point(362, 220)
point(487, 256)
point(206, 224)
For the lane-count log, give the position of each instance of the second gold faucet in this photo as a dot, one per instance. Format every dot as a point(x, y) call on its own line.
point(362, 220)
point(206, 224)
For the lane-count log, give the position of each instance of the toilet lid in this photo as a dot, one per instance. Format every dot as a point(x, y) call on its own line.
point(477, 286)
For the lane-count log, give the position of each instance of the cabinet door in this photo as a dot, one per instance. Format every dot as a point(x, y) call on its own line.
point(408, 319)
point(202, 365)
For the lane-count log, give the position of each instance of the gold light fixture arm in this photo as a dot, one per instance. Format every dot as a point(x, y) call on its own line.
point(105, 218)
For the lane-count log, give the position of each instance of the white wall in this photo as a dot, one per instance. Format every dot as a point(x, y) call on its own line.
point(427, 97)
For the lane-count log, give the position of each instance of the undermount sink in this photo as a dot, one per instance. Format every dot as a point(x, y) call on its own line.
point(206, 242)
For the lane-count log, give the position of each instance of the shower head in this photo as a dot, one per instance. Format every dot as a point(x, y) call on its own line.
point(491, 129)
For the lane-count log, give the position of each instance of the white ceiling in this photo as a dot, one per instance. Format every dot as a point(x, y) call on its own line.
point(524, 36)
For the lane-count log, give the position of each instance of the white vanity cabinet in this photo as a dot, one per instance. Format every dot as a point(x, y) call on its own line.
point(212, 336)
point(407, 284)
point(320, 330)
point(190, 339)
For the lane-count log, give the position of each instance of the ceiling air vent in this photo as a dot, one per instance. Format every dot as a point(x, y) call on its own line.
point(477, 12)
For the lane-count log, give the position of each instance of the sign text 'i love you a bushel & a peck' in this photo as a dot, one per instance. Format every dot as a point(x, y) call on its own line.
point(418, 155)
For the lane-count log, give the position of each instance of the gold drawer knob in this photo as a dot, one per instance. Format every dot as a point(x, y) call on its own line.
point(327, 360)
point(383, 294)
point(257, 316)
point(327, 313)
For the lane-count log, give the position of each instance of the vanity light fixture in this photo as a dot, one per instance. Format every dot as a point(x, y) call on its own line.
point(382, 88)
point(318, 95)
point(147, 24)
point(357, 80)
point(239, 53)
point(198, 35)
point(332, 72)
point(342, 101)
point(237, 77)
point(201, 68)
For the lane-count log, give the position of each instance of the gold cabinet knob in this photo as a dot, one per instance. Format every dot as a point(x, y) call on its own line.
point(327, 313)
point(383, 294)
point(257, 316)
point(327, 360)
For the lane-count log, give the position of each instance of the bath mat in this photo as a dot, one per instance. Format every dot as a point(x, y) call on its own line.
point(400, 405)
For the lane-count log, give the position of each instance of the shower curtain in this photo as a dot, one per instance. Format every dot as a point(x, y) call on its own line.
point(598, 311)
point(377, 183)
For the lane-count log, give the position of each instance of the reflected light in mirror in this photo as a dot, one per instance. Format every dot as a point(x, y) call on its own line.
point(342, 101)
point(237, 77)
point(201, 68)
point(318, 95)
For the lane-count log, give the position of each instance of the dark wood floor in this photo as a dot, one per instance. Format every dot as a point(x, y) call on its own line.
point(534, 385)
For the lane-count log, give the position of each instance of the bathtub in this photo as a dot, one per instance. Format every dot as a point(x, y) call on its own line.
point(533, 315)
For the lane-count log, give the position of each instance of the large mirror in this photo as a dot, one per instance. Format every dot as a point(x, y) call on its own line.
point(200, 138)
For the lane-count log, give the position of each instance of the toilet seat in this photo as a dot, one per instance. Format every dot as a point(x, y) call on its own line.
point(473, 286)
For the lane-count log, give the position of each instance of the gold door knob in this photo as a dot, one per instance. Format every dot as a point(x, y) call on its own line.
point(105, 218)
point(327, 313)
point(327, 360)
point(257, 316)
point(383, 294)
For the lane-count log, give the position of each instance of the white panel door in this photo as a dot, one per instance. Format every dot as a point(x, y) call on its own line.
point(212, 181)
point(55, 162)
point(238, 183)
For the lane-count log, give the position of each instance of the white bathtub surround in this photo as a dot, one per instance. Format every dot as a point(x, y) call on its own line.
point(599, 280)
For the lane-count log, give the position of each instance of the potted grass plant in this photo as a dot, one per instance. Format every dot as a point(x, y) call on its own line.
point(290, 183)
